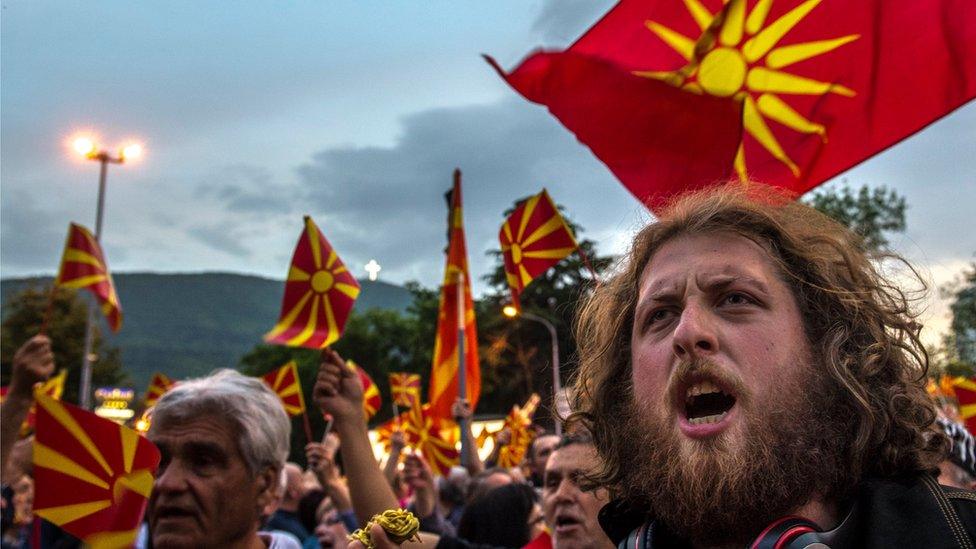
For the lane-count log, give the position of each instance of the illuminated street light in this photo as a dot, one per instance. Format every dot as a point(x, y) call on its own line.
point(88, 148)
point(512, 312)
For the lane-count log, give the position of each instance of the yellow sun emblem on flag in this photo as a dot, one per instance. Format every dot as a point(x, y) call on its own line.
point(737, 56)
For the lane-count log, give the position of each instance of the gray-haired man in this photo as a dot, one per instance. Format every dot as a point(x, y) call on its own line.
point(223, 439)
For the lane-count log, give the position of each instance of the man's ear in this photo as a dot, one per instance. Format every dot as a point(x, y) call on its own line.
point(268, 484)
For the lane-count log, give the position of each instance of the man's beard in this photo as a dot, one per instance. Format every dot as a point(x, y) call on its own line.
point(793, 449)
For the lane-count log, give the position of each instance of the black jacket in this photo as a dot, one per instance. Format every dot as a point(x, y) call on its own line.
point(906, 512)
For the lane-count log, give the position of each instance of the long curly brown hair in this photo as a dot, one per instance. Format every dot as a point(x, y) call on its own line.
point(859, 324)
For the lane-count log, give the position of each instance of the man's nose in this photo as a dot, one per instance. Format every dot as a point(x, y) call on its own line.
point(566, 490)
point(695, 335)
point(172, 478)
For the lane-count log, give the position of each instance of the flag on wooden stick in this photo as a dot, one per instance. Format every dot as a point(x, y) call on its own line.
point(405, 389)
point(319, 294)
point(444, 383)
point(158, 385)
point(534, 238)
point(83, 266)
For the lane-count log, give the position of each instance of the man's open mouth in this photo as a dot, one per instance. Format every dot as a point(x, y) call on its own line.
point(706, 402)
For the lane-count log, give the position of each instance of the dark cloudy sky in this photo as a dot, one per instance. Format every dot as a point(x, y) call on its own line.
point(254, 113)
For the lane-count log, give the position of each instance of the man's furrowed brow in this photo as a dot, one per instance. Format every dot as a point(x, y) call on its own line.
point(723, 282)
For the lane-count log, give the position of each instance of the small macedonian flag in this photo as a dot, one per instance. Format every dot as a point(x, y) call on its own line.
point(405, 389)
point(965, 389)
point(83, 266)
point(371, 393)
point(319, 294)
point(519, 423)
point(284, 382)
point(93, 477)
point(158, 385)
point(426, 434)
point(534, 238)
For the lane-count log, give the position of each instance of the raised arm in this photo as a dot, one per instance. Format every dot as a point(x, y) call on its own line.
point(32, 363)
point(339, 392)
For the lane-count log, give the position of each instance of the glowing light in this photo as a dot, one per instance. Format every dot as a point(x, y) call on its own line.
point(131, 152)
point(84, 146)
point(510, 311)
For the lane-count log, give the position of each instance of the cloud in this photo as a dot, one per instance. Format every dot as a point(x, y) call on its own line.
point(33, 236)
point(219, 238)
point(246, 188)
point(388, 203)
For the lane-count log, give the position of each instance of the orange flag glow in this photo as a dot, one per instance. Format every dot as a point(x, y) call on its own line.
point(158, 385)
point(319, 294)
point(93, 477)
point(405, 389)
point(444, 373)
point(371, 393)
point(284, 382)
point(83, 266)
point(534, 238)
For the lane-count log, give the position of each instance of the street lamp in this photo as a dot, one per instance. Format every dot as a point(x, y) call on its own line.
point(88, 148)
point(512, 312)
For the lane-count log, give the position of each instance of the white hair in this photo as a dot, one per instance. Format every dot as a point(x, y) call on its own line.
point(253, 410)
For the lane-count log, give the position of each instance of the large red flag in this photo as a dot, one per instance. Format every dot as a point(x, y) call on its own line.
point(821, 86)
point(83, 266)
point(534, 238)
point(444, 373)
point(319, 294)
point(93, 476)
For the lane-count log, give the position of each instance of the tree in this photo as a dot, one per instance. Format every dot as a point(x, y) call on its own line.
point(379, 340)
point(958, 353)
point(66, 328)
point(871, 213)
point(516, 353)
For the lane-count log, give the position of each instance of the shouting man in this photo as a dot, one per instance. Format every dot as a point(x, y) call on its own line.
point(750, 377)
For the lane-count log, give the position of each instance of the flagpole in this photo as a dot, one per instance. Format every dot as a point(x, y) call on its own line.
point(308, 426)
point(462, 373)
point(396, 414)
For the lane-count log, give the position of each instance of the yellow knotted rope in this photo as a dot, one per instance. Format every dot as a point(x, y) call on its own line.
point(400, 525)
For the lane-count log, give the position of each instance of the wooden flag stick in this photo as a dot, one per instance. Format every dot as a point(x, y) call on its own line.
point(586, 261)
point(308, 426)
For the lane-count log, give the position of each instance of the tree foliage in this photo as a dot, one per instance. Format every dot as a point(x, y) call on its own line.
point(958, 353)
point(24, 316)
point(873, 213)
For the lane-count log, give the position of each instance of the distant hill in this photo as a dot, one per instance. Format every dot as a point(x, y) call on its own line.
point(189, 324)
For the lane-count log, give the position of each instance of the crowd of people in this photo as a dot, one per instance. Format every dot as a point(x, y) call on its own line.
point(748, 377)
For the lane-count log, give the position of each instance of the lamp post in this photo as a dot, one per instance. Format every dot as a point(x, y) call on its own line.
point(86, 147)
point(512, 312)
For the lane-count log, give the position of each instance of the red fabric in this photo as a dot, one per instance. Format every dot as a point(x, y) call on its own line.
point(542, 541)
point(83, 265)
point(906, 64)
point(93, 477)
point(444, 386)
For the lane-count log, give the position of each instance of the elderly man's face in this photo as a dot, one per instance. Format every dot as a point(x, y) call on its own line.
point(204, 494)
point(570, 512)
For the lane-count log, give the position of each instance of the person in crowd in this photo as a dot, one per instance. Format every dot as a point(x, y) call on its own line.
point(223, 441)
point(285, 518)
point(506, 516)
point(958, 470)
point(321, 460)
point(451, 494)
point(537, 456)
point(570, 510)
point(33, 362)
point(750, 376)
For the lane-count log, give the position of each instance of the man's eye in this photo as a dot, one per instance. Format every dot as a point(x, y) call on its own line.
point(657, 316)
point(736, 298)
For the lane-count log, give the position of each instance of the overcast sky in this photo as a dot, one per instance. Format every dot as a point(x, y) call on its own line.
point(356, 113)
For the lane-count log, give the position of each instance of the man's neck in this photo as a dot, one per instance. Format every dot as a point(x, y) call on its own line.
point(818, 511)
